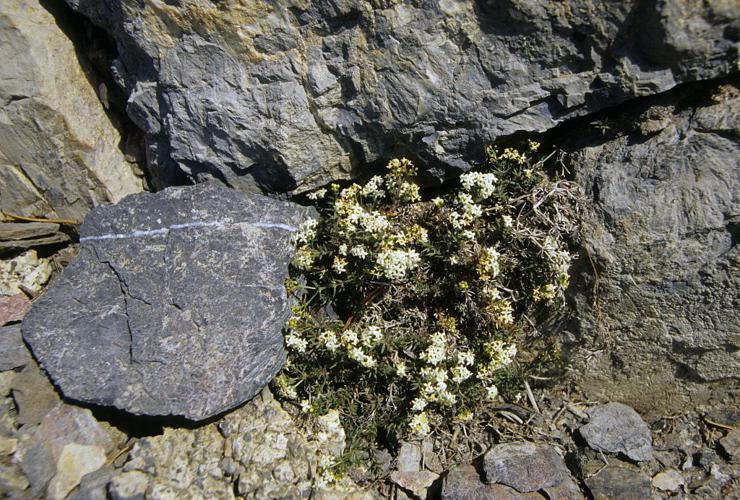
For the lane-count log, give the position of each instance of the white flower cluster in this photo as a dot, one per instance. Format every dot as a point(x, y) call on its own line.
point(303, 258)
point(329, 340)
point(356, 218)
point(339, 265)
point(373, 188)
point(354, 343)
point(297, 343)
point(307, 231)
point(409, 192)
point(435, 386)
point(419, 424)
point(359, 251)
point(435, 353)
point(488, 264)
point(479, 184)
point(468, 211)
point(317, 195)
point(501, 354)
point(394, 264)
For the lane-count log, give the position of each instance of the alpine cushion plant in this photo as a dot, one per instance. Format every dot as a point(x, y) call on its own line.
point(410, 312)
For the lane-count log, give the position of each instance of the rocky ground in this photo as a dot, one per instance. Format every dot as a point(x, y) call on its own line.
point(554, 444)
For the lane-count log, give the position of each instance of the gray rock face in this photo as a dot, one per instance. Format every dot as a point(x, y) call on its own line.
point(617, 428)
point(526, 467)
point(285, 95)
point(616, 482)
point(59, 152)
point(174, 305)
point(15, 354)
point(464, 483)
point(664, 331)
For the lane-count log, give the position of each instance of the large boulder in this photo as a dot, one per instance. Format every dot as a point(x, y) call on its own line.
point(660, 322)
point(285, 95)
point(174, 305)
point(59, 151)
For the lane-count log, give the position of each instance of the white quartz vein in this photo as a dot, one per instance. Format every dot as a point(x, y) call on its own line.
point(145, 233)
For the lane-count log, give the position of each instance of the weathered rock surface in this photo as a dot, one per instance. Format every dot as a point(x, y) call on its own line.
point(616, 482)
point(287, 94)
point(617, 428)
point(59, 152)
point(668, 480)
point(24, 273)
point(731, 444)
point(464, 483)
point(13, 308)
point(66, 445)
point(256, 451)
point(664, 331)
point(174, 305)
point(526, 467)
point(14, 235)
point(14, 352)
point(33, 394)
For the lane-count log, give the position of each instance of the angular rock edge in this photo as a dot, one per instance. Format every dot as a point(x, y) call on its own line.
point(174, 305)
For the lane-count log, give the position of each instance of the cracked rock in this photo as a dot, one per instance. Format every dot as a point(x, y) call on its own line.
point(617, 428)
point(617, 482)
point(174, 305)
point(527, 467)
point(316, 88)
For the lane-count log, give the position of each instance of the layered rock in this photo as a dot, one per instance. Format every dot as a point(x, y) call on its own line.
point(174, 305)
point(286, 95)
point(59, 152)
point(660, 322)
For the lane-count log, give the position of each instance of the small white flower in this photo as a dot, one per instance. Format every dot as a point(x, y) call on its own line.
point(466, 358)
point(329, 338)
point(296, 343)
point(303, 258)
point(418, 404)
point(460, 373)
point(359, 251)
point(492, 392)
point(317, 195)
point(372, 336)
point(419, 424)
point(373, 188)
point(339, 265)
point(290, 392)
point(508, 221)
point(349, 336)
point(480, 184)
point(305, 406)
point(394, 264)
point(307, 231)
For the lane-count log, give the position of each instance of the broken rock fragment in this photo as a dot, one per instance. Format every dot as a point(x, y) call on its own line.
point(617, 428)
point(174, 305)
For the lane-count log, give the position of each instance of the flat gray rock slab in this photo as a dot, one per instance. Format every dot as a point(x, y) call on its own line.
point(617, 428)
point(619, 483)
point(174, 305)
point(525, 467)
